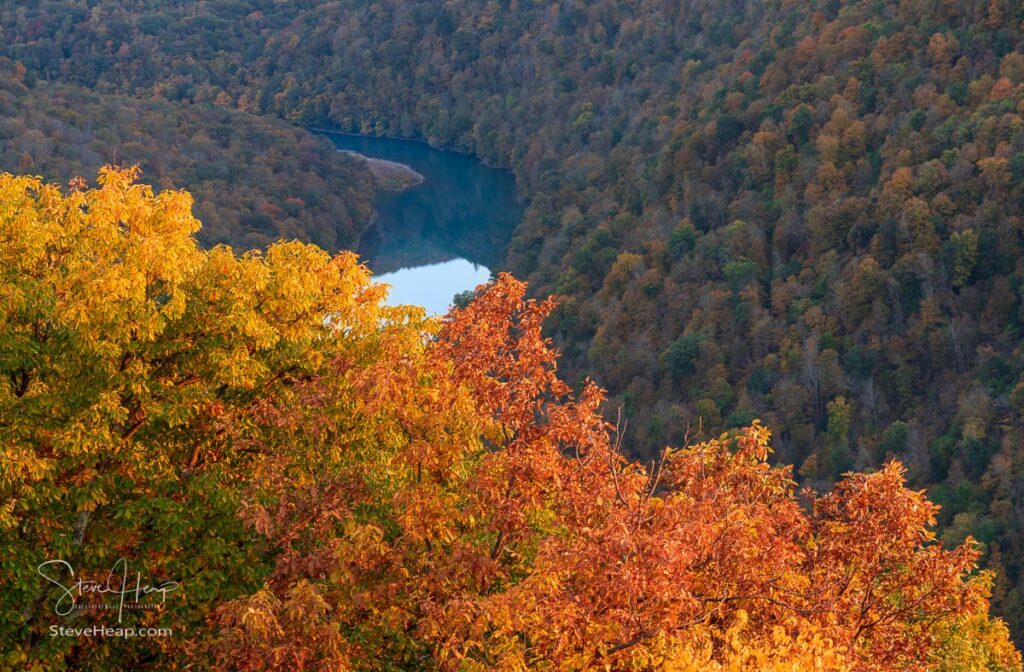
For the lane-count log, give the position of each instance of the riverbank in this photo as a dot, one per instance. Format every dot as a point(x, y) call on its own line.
point(389, 175)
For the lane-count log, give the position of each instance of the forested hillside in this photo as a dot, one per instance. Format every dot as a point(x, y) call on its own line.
point(255, 179)
point(805, 212)
point(303, 478)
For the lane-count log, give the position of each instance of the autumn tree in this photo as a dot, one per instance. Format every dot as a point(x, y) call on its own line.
point(125, 351)
point(466, 511)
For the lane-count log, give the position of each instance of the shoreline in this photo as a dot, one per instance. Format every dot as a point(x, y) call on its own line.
point(389, 175)
point(420, 141)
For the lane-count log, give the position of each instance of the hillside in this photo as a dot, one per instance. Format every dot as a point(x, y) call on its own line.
point(255, 179)
point(804, 212)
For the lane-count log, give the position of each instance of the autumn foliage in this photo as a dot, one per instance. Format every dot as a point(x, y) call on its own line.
point(343, 485)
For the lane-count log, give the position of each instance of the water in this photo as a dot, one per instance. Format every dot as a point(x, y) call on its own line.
point(433, 286)
point(436, 239)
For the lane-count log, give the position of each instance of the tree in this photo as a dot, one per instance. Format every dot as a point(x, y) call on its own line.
point(511, 533)
point(125, 350)
point(837, 436)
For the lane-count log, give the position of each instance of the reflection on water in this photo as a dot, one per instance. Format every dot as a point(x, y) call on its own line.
point(440, 237)
point(434, 285)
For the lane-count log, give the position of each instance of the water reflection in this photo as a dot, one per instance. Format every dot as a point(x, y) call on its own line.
point(434, 285)
point(440, 237)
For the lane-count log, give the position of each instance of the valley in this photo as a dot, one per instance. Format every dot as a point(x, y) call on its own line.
point(805, 217)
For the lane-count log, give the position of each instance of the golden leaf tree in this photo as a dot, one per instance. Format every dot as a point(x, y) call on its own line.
point(125, 351)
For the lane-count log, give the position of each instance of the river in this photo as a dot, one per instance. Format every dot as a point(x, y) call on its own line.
point(443, 236)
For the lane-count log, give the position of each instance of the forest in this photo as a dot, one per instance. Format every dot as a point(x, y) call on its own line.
point(319, 481)
point(804, 213)
point(256, 179)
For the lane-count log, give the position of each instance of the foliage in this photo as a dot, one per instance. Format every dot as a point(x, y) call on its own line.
point(336, 484)
point(124, 351)
point(828, 192)
point(255, 179)
point(501, 528)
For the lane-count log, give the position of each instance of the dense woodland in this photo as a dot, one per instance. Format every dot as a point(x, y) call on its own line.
point(255, 179)
point(808, 212)
point(335, 484)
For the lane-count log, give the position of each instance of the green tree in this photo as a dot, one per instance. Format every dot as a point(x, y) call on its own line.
point(837, 436)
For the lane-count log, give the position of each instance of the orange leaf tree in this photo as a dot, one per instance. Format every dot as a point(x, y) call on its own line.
point(447, 502)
